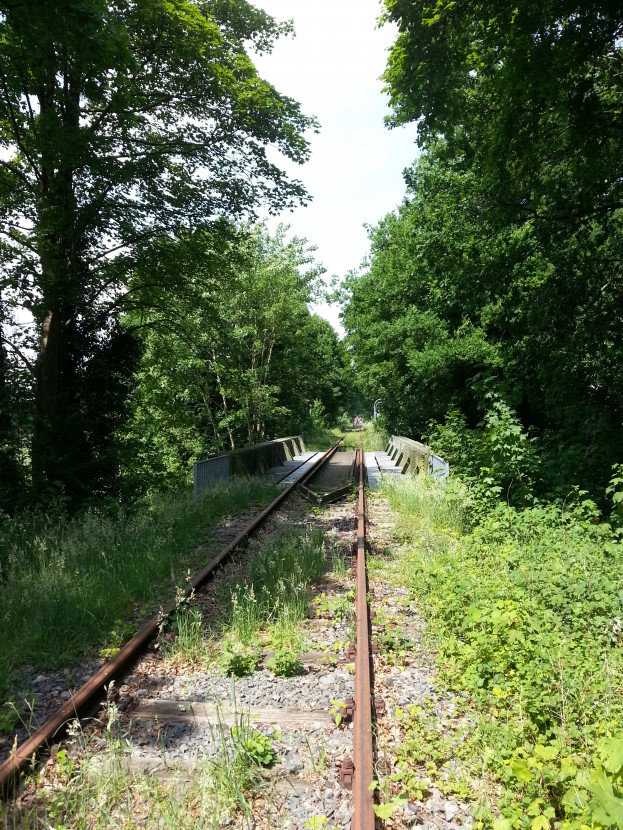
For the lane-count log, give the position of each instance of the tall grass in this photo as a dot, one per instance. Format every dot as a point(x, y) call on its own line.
point(65, 582)
point(374, 437)
point(321, 438)
point(101, 791)
point(422, 499)
point(277, 591)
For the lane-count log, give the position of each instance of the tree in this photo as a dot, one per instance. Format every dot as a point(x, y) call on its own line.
point(456, 292)
point(11, 474)
point(531, 92)
point(119, 123)
point(504, 261)
point(233, 358)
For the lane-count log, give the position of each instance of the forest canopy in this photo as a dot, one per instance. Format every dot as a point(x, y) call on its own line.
point(500, 274)
point(134, 143)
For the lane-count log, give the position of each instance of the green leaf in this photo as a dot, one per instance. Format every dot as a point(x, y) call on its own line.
point(546, 753)
point(521, 770)
point(539, 823)
point(613, 755)
point(385, 811)
point(606, 806)
point(535, 807)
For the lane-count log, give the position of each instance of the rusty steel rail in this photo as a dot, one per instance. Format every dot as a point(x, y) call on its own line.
point(363, 796)
point(91, 691)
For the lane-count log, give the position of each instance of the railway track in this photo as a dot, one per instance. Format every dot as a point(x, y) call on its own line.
point(316, 726)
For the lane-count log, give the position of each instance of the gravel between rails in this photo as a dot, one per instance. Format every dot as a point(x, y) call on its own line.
point(303, 784)
point(305, 778)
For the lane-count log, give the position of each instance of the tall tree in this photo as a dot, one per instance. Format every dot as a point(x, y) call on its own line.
point(505, 257)
point(530, 91)
point(234, 357)
point(11, 473)
point(119, 122)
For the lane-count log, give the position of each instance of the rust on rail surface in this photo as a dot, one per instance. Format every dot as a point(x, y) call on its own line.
point(93, 688)
point(363, 796)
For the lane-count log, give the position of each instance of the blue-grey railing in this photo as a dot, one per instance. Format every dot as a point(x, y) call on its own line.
point(209, 472)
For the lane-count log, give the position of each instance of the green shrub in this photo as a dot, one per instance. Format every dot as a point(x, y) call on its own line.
point(238, 662)
point(285, 664)
point(499, 459)
point(526, 609)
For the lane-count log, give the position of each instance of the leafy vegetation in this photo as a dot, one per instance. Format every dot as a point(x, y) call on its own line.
point(233, 359)
point(122, 124)
point(98, 789)
point(74, 580)
point(503, 262)
point(284, 664)
point(525, 608)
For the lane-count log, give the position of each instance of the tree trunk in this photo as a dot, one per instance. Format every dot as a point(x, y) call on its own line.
point(60, 276)
point(47, 376)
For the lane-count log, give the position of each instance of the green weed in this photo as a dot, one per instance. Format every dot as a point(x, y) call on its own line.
point(334, 608)
point(254, 748)
point(188, 644)
point(238, 662)
point(524, 610)
point(319, 823)
point(276, 595)
point(285, 664)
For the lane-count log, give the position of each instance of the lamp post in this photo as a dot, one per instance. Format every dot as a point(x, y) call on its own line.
point(376, 408)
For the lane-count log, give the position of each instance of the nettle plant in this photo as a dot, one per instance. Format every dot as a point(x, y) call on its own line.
point(500, 458)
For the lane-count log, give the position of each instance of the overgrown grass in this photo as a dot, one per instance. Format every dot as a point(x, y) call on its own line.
point(65, 583)
point(374, 437)
point(99, 790)
point(320, 438)
point(526, 610)
point(275, 596)
point(186, 643)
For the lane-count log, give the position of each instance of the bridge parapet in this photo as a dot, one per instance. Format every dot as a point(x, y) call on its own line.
point(415, 458)
point(254, 460)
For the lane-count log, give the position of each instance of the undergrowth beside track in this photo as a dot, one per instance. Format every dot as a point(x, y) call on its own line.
point(65, 584)
point(270, 595)
point(321, 438)
point(525, 611)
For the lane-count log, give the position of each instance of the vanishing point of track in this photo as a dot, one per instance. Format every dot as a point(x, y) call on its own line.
point(356, 773)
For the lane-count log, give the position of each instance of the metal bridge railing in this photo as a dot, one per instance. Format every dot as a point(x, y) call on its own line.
point(207, 473)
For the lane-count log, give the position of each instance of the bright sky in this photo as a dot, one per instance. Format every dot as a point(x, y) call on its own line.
point(332, 68)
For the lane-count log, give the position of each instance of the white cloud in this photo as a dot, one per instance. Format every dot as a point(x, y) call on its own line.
point(332, 68)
